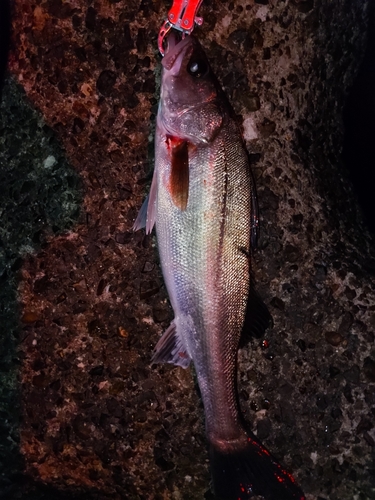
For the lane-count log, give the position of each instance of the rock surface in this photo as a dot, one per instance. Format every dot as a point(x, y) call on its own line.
point(82, 297)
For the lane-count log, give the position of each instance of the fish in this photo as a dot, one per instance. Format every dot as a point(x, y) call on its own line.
point(202, 203)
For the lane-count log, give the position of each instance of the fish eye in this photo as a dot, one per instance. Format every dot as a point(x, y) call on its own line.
point(197, 68)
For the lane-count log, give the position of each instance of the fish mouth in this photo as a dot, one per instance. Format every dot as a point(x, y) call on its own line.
point(176, 51)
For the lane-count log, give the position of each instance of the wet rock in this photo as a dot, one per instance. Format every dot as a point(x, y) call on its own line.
point(141, 42)
point(322, 402)
point(353, 375)
point(266, 53)
point(240, 37)
point(61, 298)
point(114, 407)
point(320, 273)
point(254, 158)
point(141, 417)
point(125, 191)
point(369, 439)
point(277, 303)
point(41, 284)
point(123, 238)
point(267, 128)
point(105, 82)
point(336, 413)
point(365, 424)
point(148, 86)
point(161, 462)
point(90, 20)
point(59, 9)
point(263, 428)
point(369, 369)
point(40, 380)
point(347, 391)
point(148, 289)
point(350, 293)
point(97, 370)
point(333, 338)
point(291, 253)
point(250, 101)
point(270, 200)
point(253, 404)
point(38, 364)
point(162, 436)
point(100, 287)
point(160, 314)
point(30, 317)
point(127, 40)
point(334, 371)
point(148, 267)
point(301, 344)
point(82, 428)
point(303, 6)
point(346, 323)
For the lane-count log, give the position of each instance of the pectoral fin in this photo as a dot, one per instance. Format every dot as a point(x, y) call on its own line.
point(147, 214)
point(140, 221)
point(179, 178)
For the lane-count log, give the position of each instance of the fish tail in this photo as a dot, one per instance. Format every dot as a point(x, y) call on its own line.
point(239, 475)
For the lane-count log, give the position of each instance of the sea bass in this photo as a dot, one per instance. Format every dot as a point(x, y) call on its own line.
point(202, 202)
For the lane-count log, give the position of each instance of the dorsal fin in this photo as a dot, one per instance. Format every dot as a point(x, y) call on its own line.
point(257, 317)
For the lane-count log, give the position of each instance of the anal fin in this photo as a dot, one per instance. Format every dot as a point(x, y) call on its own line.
point(170, 349)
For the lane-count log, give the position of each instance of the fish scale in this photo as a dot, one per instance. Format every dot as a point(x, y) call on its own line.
point(206, 274)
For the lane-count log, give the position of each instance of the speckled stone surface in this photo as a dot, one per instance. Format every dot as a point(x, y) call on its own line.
point(83, 300)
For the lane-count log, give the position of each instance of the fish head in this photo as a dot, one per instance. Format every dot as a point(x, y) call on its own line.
point(190, 107)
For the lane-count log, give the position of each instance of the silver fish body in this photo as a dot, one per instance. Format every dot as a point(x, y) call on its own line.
point(204, 249)
point(201, 202)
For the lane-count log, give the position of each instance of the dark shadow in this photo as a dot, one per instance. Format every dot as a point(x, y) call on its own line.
point(4, 38)
point(40, 194)
point(359, 122)
point(23, 488)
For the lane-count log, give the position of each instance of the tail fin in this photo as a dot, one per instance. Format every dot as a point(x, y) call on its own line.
point(251, 471)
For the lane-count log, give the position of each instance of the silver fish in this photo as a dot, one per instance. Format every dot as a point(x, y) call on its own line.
point(202, 202)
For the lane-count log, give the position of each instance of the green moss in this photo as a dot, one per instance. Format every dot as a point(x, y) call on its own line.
point(39, 195)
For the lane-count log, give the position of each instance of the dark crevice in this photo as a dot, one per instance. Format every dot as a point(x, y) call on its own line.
point(359, 122)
